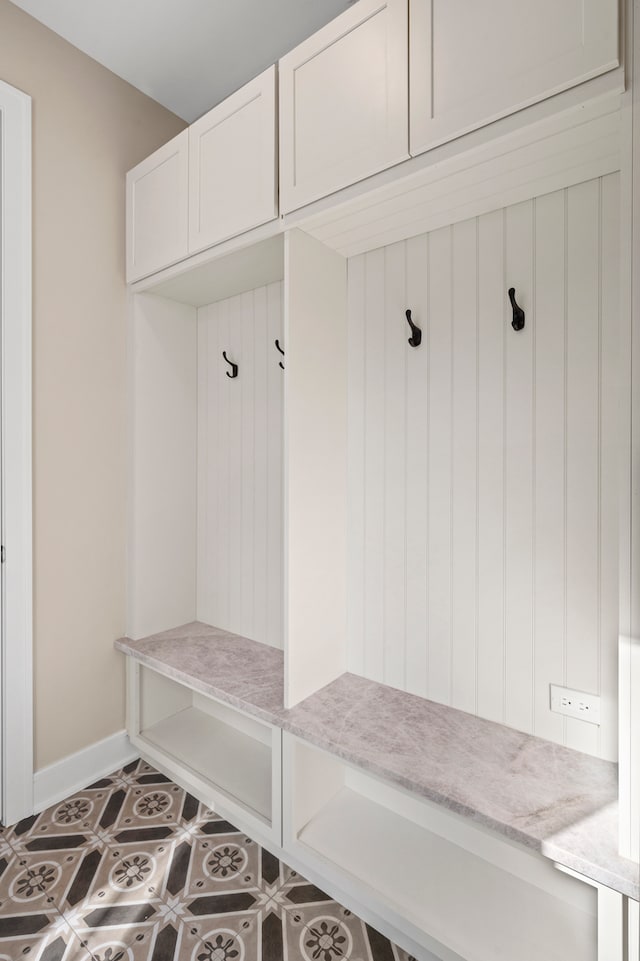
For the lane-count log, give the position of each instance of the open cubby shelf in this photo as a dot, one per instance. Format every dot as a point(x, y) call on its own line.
point(445, 890)
point(238, 764)
point(228, 758)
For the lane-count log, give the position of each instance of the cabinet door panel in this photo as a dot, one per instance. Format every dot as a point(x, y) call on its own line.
point(157, 209)
point(472, 63)
point(344, 102)
point(232, 164)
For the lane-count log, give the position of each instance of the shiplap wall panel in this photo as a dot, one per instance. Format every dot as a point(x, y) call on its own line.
point(240, 585)
point(583, 427)
point(275, 502)
point(440, 359)
point(464, 435)
point(549, 479)
point(491, 467)
point(356, 447)
point(483, 468)
point(519, 504)
point(610, 406)
point(416, 504)
point(374, 446)
point(395, 462)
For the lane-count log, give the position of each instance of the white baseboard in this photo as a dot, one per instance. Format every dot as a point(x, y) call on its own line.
point(73, 773)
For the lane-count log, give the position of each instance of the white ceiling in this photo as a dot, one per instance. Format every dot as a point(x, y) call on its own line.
point(186, 54)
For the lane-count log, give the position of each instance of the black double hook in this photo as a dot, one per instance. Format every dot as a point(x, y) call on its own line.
point(234, 367)
point(277, 343)
point(416, 334)
point(518, 313)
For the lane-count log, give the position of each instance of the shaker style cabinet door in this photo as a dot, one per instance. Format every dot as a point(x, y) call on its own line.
point(158, 210)
point(474, 62)
point(232, 164)
point(344, 102)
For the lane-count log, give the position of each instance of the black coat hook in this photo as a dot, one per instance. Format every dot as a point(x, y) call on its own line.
point(518, 313)
point(277, 343)
point(234, 367)
point(416, 334)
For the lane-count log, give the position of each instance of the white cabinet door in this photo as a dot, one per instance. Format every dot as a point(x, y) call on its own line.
point(157, 209)
point(474, 62)
point(232, 164)
point(344, 102)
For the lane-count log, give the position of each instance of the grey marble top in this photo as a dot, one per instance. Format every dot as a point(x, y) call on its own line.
point(557, 801)
point(240, 672)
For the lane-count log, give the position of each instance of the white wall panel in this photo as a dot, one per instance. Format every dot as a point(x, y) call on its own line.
point(464, 490)
point(240, 466)
point(315, 459)
point(438, 492)
point(162, 518)
point(492, 333)
point(482, 465)
point(550, 466)
point(374, 440)
point(416, 504)
point(583, 429)
point(519, 465)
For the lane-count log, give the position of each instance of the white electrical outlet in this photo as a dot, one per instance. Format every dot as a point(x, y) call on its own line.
point(586, 707)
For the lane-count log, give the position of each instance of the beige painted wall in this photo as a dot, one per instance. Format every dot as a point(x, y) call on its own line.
point(89, 128)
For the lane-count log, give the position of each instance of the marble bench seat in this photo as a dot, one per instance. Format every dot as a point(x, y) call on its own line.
point(557, 801)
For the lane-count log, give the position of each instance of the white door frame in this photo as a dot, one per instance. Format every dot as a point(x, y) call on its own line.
point(16, 688)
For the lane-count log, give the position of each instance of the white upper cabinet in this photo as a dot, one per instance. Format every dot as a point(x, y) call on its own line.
point(157, 209)
point(344, 102)
point(474, 62)
point(232, 164)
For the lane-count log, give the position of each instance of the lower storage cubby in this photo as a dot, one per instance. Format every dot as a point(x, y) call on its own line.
point(454, 887)
point(228, 759)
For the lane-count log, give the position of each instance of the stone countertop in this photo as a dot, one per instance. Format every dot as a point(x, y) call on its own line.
point(557, 801)
point(241, 672)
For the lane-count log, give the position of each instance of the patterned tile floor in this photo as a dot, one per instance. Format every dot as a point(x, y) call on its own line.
point(134, 869)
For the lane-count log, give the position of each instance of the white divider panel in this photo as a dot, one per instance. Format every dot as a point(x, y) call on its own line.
point(483, 506)
point(240, 539)
point(315, 465)
point(162, 518)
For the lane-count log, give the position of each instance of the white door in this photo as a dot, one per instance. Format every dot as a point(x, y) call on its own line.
point(157, 209)
point(474, 62)
point(232, 164)
point(344, 102)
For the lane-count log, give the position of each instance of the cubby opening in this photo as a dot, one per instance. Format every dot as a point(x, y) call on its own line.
point(464, 892)
point(221, 749)
point(206, 524)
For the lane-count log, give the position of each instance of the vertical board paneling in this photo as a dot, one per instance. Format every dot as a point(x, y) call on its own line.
point(519, 503)
point(491, 464)
point(464, 548)
point(610, 403)
point(206, 489)
point(374, 443)
point(482, 466)
point(394, 468)
point(583, 430)
point(248, 478)
point(240, 580)
point(219, 403)
point(550, 451)
point(275, 534)
point(231, 309)
point(416, 514)
point(356, 338)
point(440, 456)
point(263, 356)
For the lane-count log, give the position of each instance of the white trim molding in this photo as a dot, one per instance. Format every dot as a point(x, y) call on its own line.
point(73, 773)
point(15, 278)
